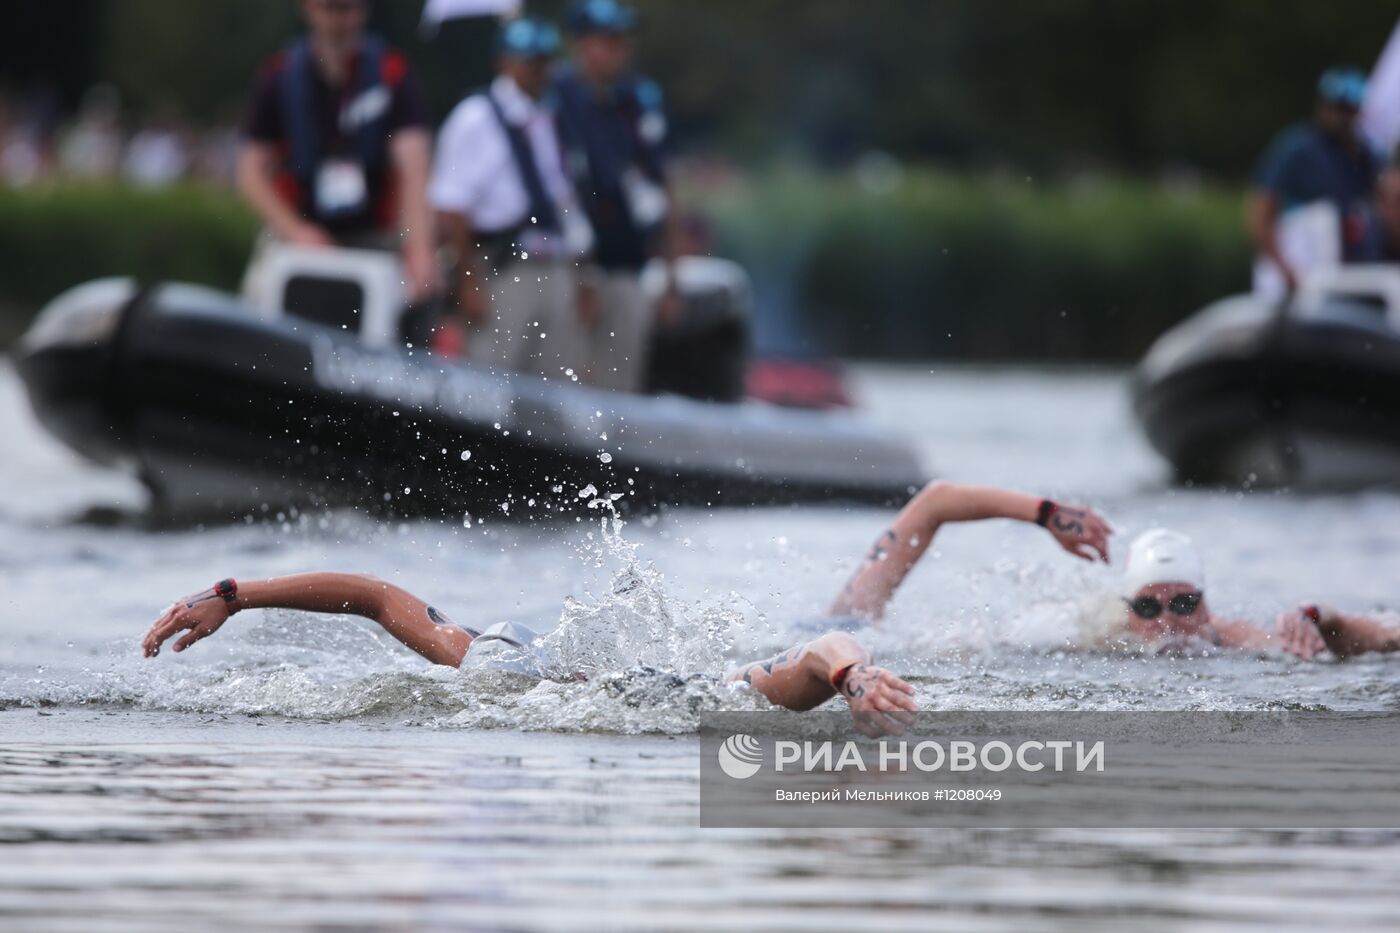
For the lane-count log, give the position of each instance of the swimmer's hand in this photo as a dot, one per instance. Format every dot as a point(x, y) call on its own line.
point(880, 702)
point(1298, 634)
point(200, 614)
point(1081, 531)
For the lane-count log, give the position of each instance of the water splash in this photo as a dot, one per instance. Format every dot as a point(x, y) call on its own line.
point(636, 622)
point(649, 663)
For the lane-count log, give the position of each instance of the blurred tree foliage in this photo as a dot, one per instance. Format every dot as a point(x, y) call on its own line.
point(931, 264)
point(54, 237)
point(922, 265)
point(1055, 85)
point(1046, 85)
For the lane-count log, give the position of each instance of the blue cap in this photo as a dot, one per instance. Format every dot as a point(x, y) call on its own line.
point(601, 16)
point(1345, 86)
point(529, 38)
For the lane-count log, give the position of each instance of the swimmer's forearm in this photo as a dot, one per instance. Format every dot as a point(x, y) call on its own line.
point(833, 653)
point(959, 502)
point(902, 544)
point(402, 615)
point(352, 593)
point(801, 678)
point(1344, 634)
point(1347, 634)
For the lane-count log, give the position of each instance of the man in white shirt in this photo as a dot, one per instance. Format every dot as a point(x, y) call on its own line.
point(507, 209)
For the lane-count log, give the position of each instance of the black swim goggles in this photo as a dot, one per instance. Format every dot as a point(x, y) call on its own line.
point(1150, 607)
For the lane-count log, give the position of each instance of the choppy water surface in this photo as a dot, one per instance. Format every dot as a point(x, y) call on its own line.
point(299, 771)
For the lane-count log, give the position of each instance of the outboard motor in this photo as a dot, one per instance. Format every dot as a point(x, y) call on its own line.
point(704, 355)
point(356, 291)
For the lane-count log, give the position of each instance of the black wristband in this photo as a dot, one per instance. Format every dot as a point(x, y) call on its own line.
point(227, 589)
point(1042, 516)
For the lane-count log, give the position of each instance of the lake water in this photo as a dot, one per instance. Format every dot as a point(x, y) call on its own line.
point(307, 772)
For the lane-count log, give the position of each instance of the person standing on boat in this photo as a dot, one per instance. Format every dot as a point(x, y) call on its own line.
point(336, 144)
point(1313, 189)
point(613, 127)
point(509, 213)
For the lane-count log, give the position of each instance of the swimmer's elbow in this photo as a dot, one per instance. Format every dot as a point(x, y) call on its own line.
point(371, 596)
point(367, 585)
point(410, 620)
point(937, 502)
point(937, 491)
point(449, 648)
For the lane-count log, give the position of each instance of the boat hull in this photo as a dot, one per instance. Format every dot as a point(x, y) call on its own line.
point(221, 411)
point(1246, 393)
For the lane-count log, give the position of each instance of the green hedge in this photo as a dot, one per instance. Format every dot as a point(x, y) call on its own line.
point(928, 265)
point(55, 237)
point(934, 265)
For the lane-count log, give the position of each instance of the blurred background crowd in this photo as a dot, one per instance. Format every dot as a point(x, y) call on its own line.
point(41, 142)
point(952, 178)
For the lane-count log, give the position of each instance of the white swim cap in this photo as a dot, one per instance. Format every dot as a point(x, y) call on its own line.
point(506, 646)
point(1162, 556)
point(512, 633)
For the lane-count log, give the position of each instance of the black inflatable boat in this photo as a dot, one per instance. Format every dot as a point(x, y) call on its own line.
point(220, 410)
point(1303, 392)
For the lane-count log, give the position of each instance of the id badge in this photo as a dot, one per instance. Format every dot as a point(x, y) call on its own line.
point(340, 188)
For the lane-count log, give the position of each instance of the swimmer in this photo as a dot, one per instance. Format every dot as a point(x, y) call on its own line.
point(1162, 589)
point(1164, 604)
point(801, 678)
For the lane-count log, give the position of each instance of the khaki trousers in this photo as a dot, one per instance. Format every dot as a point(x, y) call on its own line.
point(532, 322)
point(618, 341)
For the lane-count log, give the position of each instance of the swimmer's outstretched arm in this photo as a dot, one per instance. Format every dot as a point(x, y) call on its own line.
point(1076, 529)
point(1348, 634)
point(403, 615)
point(1310, 630)
point(808, 675)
